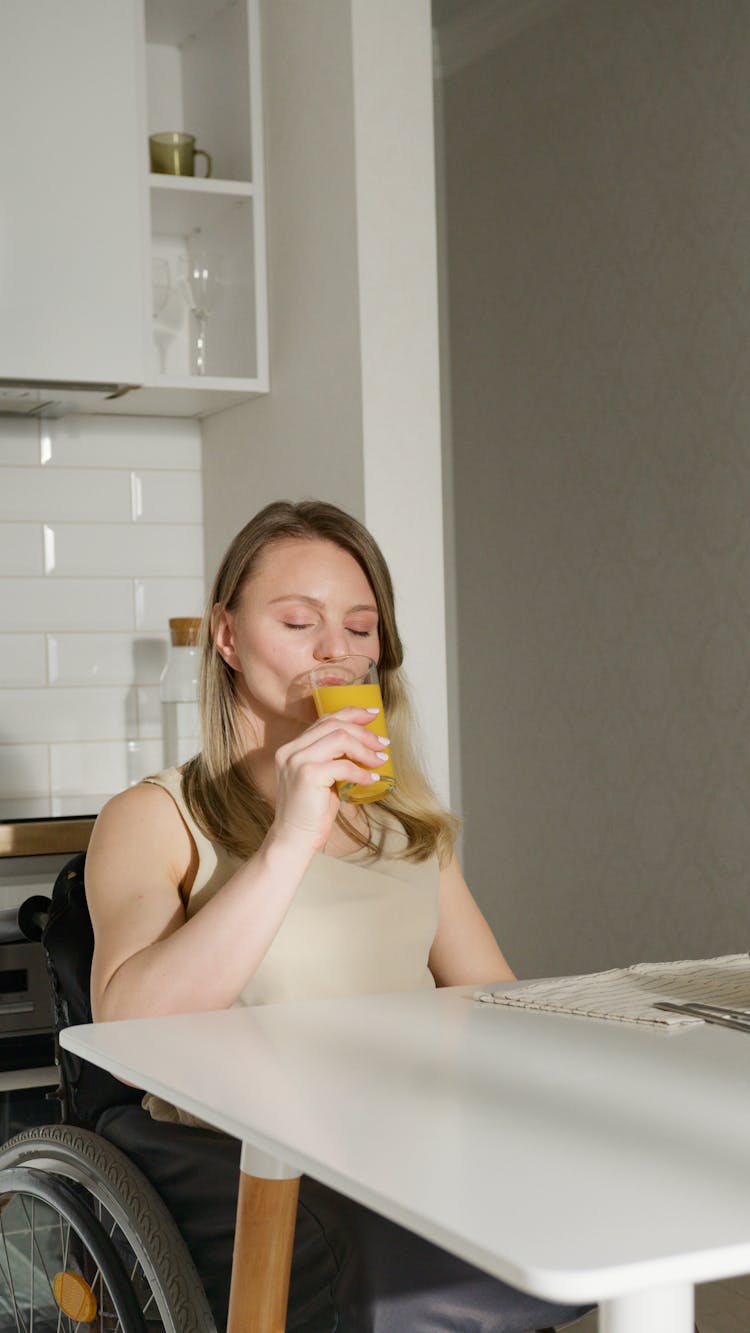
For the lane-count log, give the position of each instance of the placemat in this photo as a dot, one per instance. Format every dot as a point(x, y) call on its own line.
point(627, 994)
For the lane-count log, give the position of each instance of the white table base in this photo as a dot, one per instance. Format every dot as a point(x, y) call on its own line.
point(662, 1310)
point(255, 1162)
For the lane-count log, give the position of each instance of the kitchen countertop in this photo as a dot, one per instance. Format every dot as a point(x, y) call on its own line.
point(38, 825)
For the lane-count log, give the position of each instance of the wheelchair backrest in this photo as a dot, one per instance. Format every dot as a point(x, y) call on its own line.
point(68, 943)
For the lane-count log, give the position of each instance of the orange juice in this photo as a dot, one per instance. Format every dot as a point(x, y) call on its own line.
point(328, 699)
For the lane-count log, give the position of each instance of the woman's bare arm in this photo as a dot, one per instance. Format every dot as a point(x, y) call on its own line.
point(148, 958)
point(464, 951)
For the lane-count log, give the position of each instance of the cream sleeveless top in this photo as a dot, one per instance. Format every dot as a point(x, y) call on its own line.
point(357, 924)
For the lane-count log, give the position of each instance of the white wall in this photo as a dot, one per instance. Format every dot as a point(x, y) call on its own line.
point(354, 410)
point(398, 300)
point(305, 438)
point(101, 541)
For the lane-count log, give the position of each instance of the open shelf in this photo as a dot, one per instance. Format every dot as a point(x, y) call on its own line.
point(203, 77)
point(175, 22)
point(183, 204)
point(190, 396)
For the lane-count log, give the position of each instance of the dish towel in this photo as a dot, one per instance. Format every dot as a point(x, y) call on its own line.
point(628, 994)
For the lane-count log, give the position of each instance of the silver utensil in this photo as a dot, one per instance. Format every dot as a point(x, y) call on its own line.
point(726, 1018)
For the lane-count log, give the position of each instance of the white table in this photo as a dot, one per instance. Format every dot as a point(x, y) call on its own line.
point(579, 1160)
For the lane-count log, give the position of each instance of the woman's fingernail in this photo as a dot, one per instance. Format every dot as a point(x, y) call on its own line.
point(376, 777)
point(379, 754)
point(372, 710)
point(383, 740)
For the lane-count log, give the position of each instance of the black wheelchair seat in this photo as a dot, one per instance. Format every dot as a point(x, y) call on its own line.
point(85, 1239)
point(68, 942)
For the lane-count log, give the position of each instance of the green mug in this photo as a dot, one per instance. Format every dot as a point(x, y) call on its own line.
point(173, 153)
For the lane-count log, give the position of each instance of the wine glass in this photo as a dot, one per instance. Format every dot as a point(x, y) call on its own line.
point(160, 286)
point(201, 275)
point(161, 292)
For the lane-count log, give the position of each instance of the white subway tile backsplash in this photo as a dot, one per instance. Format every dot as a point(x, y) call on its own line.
point(59, 806)
point(24, 807)
point(21, 661)
point(24, 769)
point(124, 442)
point(67, 604)
point(128, 549)
point(148, 704)
point(67, 715)
point(101, 542)
point(159, 600)
point(149, 658)
point(19, 442)
point(105, 659)
point(46, 494)
point(144, 758)
point(168, 497)
point(20, 547)
point(101, 766)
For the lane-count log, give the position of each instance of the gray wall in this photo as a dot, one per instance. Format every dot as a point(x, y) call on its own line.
point(598, 229)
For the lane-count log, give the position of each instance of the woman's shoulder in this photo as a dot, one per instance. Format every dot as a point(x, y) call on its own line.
point(148, 804)
point(140, 827)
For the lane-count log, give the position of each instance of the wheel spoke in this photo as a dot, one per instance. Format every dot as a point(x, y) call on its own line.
point(97, 1232)
point(104, 1217)
point(35, 1247)
point(32, 1265)
point(21, 1324)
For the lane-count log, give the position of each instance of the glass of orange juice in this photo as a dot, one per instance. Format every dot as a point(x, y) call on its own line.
point(352, 682)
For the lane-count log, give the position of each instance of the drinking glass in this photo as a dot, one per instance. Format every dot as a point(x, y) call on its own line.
point(160, 286)
point(201, 274)
point(347, 682)
point(161, 293)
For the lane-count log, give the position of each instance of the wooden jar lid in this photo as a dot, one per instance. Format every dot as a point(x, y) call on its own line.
point(184, 630)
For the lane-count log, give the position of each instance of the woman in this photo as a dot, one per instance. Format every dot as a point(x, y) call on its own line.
point(247, 855)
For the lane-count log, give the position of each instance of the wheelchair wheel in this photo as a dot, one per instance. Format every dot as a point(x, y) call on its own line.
point(87, 1244)
point(60, 1268)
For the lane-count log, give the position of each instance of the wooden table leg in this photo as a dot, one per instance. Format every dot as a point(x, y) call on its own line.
point(263, 1241)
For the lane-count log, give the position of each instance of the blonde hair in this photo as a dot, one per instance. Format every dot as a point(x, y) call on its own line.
point(217, 783)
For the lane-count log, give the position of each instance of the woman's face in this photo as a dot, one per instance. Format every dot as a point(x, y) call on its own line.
point(307, 601)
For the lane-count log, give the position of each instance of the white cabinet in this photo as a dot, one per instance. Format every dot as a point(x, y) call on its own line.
point(85, 229)
point(72, 244)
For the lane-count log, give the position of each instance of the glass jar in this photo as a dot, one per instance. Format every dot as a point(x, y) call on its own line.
point(179, 690)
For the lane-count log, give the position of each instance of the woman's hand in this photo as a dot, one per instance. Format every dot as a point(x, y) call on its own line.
point(336, 748)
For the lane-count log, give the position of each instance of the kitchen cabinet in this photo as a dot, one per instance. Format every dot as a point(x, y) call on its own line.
point(72, 243)
point(90, 239)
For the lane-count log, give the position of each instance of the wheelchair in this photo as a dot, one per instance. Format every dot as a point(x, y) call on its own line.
point(86, 1243)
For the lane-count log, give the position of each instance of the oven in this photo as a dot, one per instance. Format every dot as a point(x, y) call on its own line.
point(28, 1074)
point(26, 1021)
point(27, 1048)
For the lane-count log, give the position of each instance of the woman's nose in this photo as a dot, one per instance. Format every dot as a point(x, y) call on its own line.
point(331, 643)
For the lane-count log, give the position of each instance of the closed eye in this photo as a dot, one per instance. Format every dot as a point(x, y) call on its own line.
point(289, 625)
point(361, 633)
